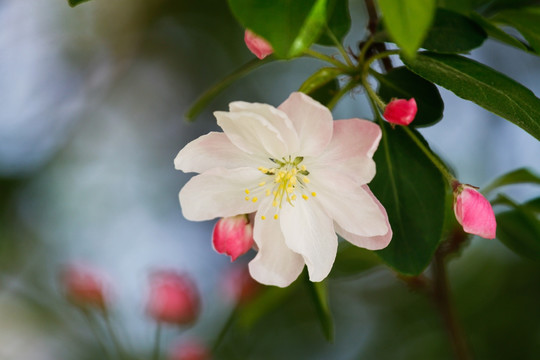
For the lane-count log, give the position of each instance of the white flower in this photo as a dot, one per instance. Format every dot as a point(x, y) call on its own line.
point(303, 175)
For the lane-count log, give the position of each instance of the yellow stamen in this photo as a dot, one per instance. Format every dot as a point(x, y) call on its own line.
point(263, 217)
point(274, 203)
point(247, 198)
point(247, 191)
point(255, 199)
point(290, 189)
point(293, 197)
point(262, 183)
point(304, 196)
point(306, 180)
point(314, 194)
point(276, 216)
point(303, 168)
point(267, 193)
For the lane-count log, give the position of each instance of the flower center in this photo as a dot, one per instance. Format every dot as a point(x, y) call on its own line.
point(288, 178)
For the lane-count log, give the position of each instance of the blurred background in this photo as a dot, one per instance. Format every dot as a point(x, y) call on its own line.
point(91, 117)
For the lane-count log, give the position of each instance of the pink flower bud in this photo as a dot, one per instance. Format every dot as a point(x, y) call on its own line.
point(474, 212)
point(239, 286)
point(233, 236)
point(174, 298)
point(84, 286)
point(400, 111)
point(189, 350)
point(257, 45)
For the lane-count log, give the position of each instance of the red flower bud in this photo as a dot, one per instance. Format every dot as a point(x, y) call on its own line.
point(400, 111)
point(233, 236)
point(257, 45)
point(84, 287)
point(474, 212)
point(174, 298)
point(190, 350)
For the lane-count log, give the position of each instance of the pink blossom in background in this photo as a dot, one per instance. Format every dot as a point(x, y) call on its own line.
point(400, 111)
point(173, 299)
point(238, 285)
point(474, 212)
point(257, 45)
point(233, 236)
point(84, 286)
point(189, 350)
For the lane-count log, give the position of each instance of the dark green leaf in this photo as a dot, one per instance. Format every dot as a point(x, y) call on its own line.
point(453, 33)
point(486, 87)
point(533, 205)
point(493, 31)
point(339, 21)
point(519, 176)
point(408, 22)
point(460, 6)
point(290, 26)
point(413, 192)
point(404, 84)
point(326, 93)
point(319, 294)
point(74, 3)
point(352, 260)
point(264, 303)
point(519, 230)
point(526, 21)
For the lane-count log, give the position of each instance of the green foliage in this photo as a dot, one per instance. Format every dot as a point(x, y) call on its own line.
point(74, 3)
point(319, 295)
point(402, 83)
point(526, 21)
point(408, 22)
point(453, 33)
point(413, 192)
point(321, 80)
point(482, 85)
point(339, 22)
point(519, 176)
point(353, 260)
point(496, 33)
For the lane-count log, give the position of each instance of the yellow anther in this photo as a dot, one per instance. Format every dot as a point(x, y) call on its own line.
point(274, 193)
point(304, 196)
point(262, 183)
point(267, 193)
point(276, 216)
point(274, 203)
point(303, 168)
point(290, 189)
point(293, 197)
point(255, 199)
point(263, 217)
point(314, 194)
point(306, 180)
point(247, 191)
point(263, 169)
point(293, 181)
point(294, 171)
point(247, 198)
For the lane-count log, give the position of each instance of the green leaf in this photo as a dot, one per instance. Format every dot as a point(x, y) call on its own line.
point(326, 93)
point(404, 84)
point(453, 33)
point(264, 303)
point(519, 176)
point(339, 21)
point(352, 260)
point(460, 6)
point(320, 78)
point(493, 31)
point(408, 22)
point(319, 294)
point(74, 3)
point(290, 26)
point(519, 230)
point(526, 21)
point(412, 190)
point(482, 85)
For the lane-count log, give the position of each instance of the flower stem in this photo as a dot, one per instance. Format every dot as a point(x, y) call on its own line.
point(114, 338)
point(157, 341)
point(339, 47)
point(95, 329)
point(224, 329)
point(323, 57)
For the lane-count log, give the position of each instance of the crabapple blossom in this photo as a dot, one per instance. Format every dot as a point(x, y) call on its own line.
point(474, 212)
point(303, 176)
point(84, 286)
point(400, 111)
point(233, 236)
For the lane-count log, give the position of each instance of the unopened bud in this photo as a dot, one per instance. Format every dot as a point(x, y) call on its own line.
point(400, 111)
point(84, 287)
point(474, 212)
point(233, 236)
point(189, 350)
point(257, 45)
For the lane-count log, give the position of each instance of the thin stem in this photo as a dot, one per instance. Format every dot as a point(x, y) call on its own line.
point(114, 338)
point(364, 50)
point(157, 341)
point(438, 164)
point(340, 94)
point(339, 47)
point(323, 57)
point(441, 295)
point(224, 329)
point(95, 329)
point(379, 56)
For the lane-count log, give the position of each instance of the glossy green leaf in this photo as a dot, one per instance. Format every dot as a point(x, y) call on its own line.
point(404, 84)
point(413, 192)
point(519, 176)
point(319, 294)
point(496, 33)
point(453, 33)
point(526, 21)
point(482, 85)
point(460, 6)
point(264, 303)
point(339, 21)
point(408, 22)
point(519, 230)
point(290, 26)
point(74, 3)
point(352, 260)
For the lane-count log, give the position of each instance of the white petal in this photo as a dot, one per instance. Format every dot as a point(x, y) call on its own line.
point(253, 133)
point(348, 204)
point(211, 151)
point(275, 264)
point(219, 192)
point(310, 232)
point(312, 121)
point(368, 242)
point(276, 117)
point(351, 150)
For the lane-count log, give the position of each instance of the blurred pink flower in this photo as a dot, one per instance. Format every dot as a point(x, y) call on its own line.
point(257, 45)
point(174, 298)
point(474, 212)
point(301, 173)
point(84, 286)
point(238, 285)
point(189, 350)
point(233, 236)
point(400, 111)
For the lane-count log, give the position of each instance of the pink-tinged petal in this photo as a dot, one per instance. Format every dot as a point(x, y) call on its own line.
point(276, 117)
point(368, 242)
point(219, 193)
point(233, 236)
point(351, 149)
point(309, 232)
point(400, 111)
point(349, 204)
point(211, 151)
point(275, 264)
point(253, 133)
point(257, 45)
point(474, 212)
point(312, 121)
